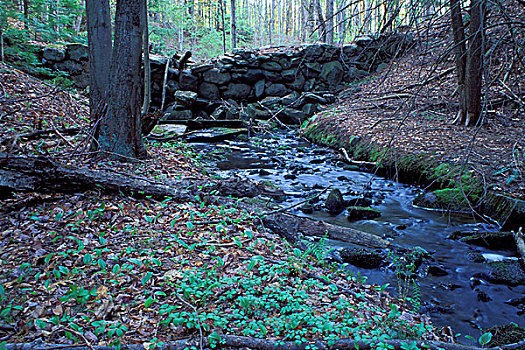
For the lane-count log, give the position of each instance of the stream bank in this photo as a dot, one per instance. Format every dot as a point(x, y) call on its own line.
point(457, 283)
point(453, 188)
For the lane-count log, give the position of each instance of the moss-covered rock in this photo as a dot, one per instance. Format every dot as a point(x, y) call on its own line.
point(491, 240)
point(507, 272)
point(334, 202)
point(362, 213)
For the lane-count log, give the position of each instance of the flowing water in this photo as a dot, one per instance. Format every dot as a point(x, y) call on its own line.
point(455, 298)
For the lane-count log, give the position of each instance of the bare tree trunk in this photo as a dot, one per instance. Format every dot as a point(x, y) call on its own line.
point(341, 28)
point(99, 41)
point(474, 70)
point(330, 22)
point(321, 25)
point(388, 25)
point(221, 5)
point(233, 24)
point(458, 32)
point(120, 131)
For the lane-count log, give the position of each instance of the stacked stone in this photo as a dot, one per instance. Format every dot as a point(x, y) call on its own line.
point(290, 83)
point(72, 59)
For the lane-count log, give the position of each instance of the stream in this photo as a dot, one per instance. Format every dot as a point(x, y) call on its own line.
point(454, 296)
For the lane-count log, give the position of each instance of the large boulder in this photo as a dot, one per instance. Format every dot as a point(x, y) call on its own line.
point(291, 116)
point(276, 90)
point(54, 54)
point(237, 91)
point(215, 76)
point(332, 74)
point(249, 77)
point(362, 213)
point(506, 271)
point(174, 114)
point(272, 66)
point(71, 67)
point(78, 52)
point(312, 70)
point(298, 83)
point(185, 98)
point(188, 81)
point(363, 257)
point(259, 88)
point(209, 91)
point(351, 50)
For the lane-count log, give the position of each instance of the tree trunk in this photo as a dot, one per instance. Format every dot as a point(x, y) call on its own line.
point(25, 4)
point(341, 28)
point(233, 24)
point(221, 5)
point(388, 25)
point(147, 66)
point(458, 31)
point(321, 25)
point(100, 50)
point(474, 70)
point(120, 131)
point(330, 22)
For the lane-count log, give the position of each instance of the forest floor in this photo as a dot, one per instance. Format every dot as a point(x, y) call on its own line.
point(411, 105)
point(94, 269)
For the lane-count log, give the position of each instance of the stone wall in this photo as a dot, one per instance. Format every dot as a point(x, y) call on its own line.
point(72, 59)
point(289, 81)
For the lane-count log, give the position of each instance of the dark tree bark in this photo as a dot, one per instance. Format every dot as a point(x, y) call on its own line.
point(99, 41)
point(474, 70)
point(120, 129)
point(147, 66)
point(25, 4)
point(469, 61)
point(233, 24)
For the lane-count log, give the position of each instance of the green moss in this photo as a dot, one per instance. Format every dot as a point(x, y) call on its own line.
point(455, 195)
point(365, 209)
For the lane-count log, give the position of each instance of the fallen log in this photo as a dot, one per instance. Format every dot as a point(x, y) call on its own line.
point(231, 341)
point(288, 225)
point(41, 174)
